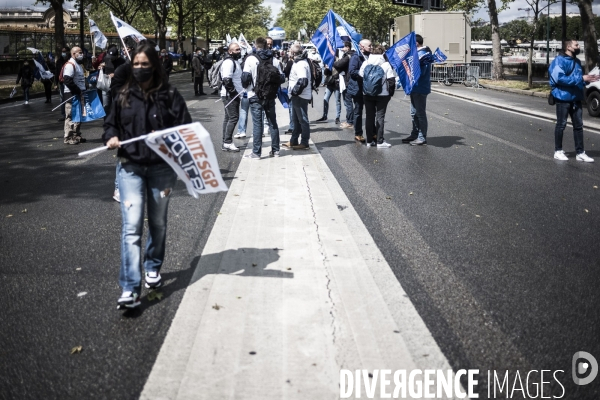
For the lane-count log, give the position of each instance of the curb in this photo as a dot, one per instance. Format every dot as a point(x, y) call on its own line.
point(517, 91)
point(594, 127)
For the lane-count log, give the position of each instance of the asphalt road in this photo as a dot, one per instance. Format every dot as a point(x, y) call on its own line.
point(494, 242)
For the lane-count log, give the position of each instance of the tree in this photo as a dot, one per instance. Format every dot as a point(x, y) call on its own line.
point(160, 13)
point(590, 33)
point(537, 11)
point(59, 22)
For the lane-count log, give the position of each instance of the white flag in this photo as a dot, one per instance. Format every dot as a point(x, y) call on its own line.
point(228, 38)
point(99, 38)
point(43, 73)
point(124, 29)
point(189, 151)
point(243, 44)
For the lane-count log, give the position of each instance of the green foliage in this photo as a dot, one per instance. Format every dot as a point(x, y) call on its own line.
point(370, 17)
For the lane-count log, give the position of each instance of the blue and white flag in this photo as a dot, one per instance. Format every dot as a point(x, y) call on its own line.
point(41, 68)
point(87, 107)
point(354, 36)
point(403, 56)
point(99, 38)
point(439, 56)
point(326, 39)
point(124, 29)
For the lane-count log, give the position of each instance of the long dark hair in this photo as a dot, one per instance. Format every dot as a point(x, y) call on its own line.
point(158, 77)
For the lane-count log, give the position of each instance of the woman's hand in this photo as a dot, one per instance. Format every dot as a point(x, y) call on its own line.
point(113, 143)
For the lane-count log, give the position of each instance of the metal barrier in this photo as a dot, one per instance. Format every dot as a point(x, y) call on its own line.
point(450, 73)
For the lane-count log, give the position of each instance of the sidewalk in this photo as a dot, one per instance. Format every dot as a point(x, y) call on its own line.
point(523, 104)
point(289, 289)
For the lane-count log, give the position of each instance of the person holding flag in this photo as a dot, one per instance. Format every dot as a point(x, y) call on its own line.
point(418, 96)
point(74, 81)
point(146, 103)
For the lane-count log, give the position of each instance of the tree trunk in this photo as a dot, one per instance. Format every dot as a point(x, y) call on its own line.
point(497, 67)
point(589, 34)
point(179, 28)
point(530, 65)
point(162, 37)
point(59, 25)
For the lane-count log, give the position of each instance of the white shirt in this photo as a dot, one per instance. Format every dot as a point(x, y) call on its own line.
point(76, 71)
point(227, 71)
point(251, 65)
point(300, 70)
point(377, 59)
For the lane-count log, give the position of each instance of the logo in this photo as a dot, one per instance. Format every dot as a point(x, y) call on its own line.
point(402, 50)
point(581, 368)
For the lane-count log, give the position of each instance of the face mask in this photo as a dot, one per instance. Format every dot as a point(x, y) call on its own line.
point(79, 59)
point(576, 51)
point(64, 54)
point(143, 74)
point(236, 56)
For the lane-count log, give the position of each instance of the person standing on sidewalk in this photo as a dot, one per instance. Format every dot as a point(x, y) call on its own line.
point(300, 95)
point(74, 81)
point(198, 71)
point(418, 97)
point(568, 83)
point(379, 83)
point(231, 74)
point(145, 103)
point(355, 88)
point(262, 74)
point(25, 76)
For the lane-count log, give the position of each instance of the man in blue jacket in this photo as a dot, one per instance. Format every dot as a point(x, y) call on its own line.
point(568, 82)
point(355, 85)
point(418, 96)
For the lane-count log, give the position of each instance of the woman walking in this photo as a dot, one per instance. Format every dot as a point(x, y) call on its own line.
point(145, 103)
point(376, 103)
point(26, 78)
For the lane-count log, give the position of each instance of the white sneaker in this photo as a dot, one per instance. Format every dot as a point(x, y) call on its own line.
point(372, 144)
point(560, 155)
point(583, 157)
point(117, 195)
point(26, 102)
point(384, 145)
point(229, 147)
point(240, 135)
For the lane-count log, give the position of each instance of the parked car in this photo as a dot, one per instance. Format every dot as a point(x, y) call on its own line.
point(592, 98)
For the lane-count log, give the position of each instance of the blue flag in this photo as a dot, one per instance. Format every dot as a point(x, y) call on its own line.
point(439, 56)
point(326, 39)
point(89, 110)
point(355, 37)
point(403, 56)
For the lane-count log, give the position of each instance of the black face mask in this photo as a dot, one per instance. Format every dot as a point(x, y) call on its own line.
point(366, 53)
point(576, 51)
point(236, 56)
point(143, 74)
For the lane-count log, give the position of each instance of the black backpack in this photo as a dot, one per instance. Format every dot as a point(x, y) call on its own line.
point(268, 79)
point(316, 74)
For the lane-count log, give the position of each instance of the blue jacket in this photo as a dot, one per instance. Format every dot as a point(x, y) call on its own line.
point(566, 78)
point(423, 85)
point(355, 84)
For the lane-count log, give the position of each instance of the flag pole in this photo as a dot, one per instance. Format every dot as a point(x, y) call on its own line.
point(97, 149)
point(118, 33)
point(62, 102)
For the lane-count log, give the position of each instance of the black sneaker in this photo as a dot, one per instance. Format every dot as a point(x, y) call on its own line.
point(80, 139)
point(289, 131)
point(322, 119)
point(337, 120)
point(153, 280)
point(409, 139)
point(128, 300)
point(274, 153)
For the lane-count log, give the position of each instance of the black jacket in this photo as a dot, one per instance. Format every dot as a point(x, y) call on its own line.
point(110, 64)
point(142, 117)
point(25, 76)
point(60, 61)
point(121, 76)
point(167, 64)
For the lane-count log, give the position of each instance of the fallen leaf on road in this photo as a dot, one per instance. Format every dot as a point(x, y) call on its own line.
point(595, 187)
point(480, 144)
point(9, 215)
point(217, 307)
point(411, 193)
point(539, 129)
point(43, 228)
point(154, 295)
point(24, 210)
point(586, 210)
point(78, 269)
point(472, 147)
point(388, 197)
point(289, 269)
point(54, 138)
point(81, 294)
point(76, 349)
point(49, 145)
point(239, 297)
point(254, 264)
point(478, 216)
point(445, 113)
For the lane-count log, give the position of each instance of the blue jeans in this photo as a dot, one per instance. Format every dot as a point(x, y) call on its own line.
point(574, 110)
point(243, 120)
point(300, 118)
point(139, 186)
point(358, 109)
point(338, 102)
point(418, 102)
point(257, 109)
point(291, 110)
point(349, 108)
point(26, 92)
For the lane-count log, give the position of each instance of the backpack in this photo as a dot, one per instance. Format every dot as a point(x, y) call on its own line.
point(268, 79)
point(373, 77)
point(60, 76)
point(214, 75)
point(316, 74)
